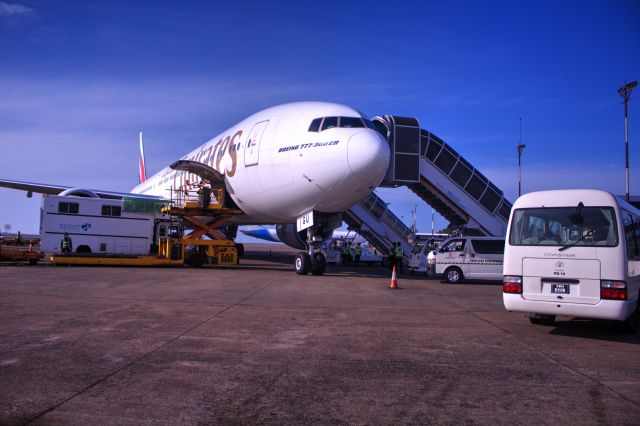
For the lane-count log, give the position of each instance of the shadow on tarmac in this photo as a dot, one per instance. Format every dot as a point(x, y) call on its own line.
point(594, 329)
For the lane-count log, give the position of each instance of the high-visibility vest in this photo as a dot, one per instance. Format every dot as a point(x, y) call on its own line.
point(399, 252)
point(66, 244)
point(346, 249)
point(357, 250)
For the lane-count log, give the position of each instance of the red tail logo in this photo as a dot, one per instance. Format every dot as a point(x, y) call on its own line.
point(142, 170)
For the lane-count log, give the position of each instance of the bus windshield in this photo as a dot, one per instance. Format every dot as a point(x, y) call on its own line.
point(562, 226)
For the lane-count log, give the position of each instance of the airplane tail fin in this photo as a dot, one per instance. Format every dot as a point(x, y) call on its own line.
point(142, 170)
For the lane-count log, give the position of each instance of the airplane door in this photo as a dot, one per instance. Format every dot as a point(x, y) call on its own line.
point(252, 149)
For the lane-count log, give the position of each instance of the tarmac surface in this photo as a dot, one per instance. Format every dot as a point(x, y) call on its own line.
point(257, 344)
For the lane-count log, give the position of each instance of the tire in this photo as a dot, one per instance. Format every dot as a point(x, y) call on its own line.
point(318, 264)
point(453, 275)
point(630, 325)
point(196, 260)
point(540, 319)
point(240, 249)
point(33, 262)
point(302, 263)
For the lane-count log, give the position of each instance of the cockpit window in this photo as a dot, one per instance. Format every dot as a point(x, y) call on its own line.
point(320, 124)
point(315, 125)
point(351, 122)
point(329, 123)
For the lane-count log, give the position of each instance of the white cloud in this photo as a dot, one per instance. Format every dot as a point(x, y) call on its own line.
point(9, 9)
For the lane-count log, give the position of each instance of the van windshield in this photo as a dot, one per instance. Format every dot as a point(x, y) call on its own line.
point(417, 248)
point(452, 246)
point(560, 226)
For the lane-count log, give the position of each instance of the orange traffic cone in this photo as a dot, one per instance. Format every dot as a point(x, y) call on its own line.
point(394, 281)
point(30, 247)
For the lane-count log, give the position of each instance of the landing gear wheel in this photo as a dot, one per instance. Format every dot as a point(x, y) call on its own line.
point(540, 319)
point(453, 275)
point(302, 263)
point(318, 264)
point(240, 249)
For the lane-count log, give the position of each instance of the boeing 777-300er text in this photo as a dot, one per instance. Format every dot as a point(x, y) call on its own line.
point(299, 165)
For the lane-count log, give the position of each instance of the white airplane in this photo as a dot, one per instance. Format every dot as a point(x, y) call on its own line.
point(298, 165)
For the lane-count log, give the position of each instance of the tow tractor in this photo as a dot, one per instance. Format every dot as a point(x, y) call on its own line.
point(14, 251)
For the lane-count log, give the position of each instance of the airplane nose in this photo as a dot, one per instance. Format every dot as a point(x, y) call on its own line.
point(368, 156)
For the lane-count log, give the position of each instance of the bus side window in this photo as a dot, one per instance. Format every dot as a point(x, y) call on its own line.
point(637, 229)
point(631, 234)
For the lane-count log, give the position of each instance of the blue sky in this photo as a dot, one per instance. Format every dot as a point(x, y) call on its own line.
point(78, 80)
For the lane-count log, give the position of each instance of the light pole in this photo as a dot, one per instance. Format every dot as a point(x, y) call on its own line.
point(520, 149)
point(625, 92)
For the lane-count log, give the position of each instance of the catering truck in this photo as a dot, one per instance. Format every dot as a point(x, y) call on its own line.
point(100, 225)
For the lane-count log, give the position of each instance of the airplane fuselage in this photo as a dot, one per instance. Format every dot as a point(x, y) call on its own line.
point(276, 168)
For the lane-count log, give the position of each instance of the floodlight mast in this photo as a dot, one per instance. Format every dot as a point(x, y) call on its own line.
point(625, 92)
point(520, 149)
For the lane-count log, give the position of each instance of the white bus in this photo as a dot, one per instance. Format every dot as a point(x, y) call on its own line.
point(575, 253)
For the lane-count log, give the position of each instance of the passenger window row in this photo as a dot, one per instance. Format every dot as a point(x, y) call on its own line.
point(325, 123)
point(464, 174)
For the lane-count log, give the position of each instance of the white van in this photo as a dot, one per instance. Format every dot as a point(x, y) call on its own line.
point(479, 258)
point(573, 252)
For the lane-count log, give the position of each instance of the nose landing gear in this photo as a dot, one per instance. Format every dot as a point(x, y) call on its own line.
point(313, 260)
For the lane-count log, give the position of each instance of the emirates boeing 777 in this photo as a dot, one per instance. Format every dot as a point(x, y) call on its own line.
point(298, 164)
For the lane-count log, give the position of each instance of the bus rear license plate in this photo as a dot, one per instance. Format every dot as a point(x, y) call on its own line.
point(560, 288)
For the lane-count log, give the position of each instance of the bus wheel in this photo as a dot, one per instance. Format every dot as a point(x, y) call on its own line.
point(453, 275)
point(630, 325)
point(540, 319)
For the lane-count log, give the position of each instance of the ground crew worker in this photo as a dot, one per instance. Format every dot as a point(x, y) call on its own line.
point(346, 254)
point(66, 245)
point(19, 239)
point(357, 251)
point(392, 256)
point(399, 252)
point(205, 195)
